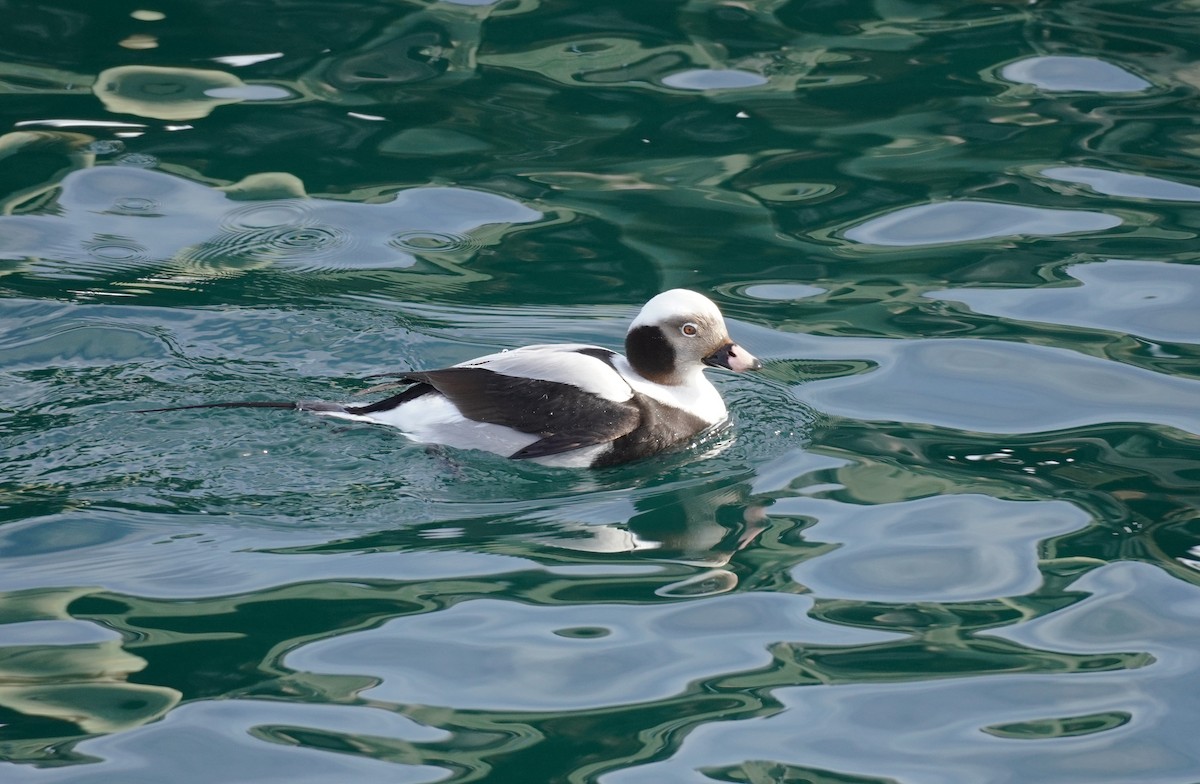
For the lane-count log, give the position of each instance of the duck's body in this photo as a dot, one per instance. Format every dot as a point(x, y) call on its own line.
point(564, 405)
point(570, 405)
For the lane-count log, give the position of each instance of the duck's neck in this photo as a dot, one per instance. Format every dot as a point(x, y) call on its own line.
point(693, 392)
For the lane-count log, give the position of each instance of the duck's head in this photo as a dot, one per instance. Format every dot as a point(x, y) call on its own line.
point(677, 333)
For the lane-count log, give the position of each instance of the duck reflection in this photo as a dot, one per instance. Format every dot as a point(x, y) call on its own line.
point(699, 524)
point(705, 529)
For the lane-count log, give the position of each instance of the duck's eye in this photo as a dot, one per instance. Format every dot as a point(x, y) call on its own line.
point(690, 329)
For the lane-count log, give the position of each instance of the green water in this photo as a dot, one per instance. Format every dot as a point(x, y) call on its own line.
point(951, 535)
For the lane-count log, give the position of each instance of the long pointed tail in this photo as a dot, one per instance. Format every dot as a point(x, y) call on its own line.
point(250, 404)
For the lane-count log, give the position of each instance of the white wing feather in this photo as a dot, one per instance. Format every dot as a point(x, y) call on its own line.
point(561, 363)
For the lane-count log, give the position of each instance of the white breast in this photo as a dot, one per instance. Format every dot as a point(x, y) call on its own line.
point(697, 396)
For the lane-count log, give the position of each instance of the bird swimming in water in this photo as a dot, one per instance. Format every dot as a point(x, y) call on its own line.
point(569, 404)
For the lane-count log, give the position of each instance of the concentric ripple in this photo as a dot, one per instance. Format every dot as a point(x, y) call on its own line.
point(134, 205)
point(268, 215)
point(116, 249)
point(432, 242)
point(311, 247)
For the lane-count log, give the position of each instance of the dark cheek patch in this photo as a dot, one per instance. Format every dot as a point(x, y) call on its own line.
point(650, 353)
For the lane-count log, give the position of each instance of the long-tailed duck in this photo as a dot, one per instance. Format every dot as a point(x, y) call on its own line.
point(567, 404)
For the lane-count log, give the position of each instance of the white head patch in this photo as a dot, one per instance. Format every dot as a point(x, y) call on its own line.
point(674, 304)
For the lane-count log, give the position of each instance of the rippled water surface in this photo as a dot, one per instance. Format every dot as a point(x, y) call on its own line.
point(952, 535)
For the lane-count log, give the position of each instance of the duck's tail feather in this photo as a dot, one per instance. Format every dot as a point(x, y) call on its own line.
point(391, 374)
point(296, 406)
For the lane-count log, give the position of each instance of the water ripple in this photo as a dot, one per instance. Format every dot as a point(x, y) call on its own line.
point(968, 221)
point(268, 215)
point(230, 738)
point(1134, 186)
point(1073, 74)
point(127, 216)
point(997, 387)
point(1151, 299)
point(949, 535)
point(432, 242)
point(302, 246)
point(135, 205)
point(520, 661)
point(110, 248)
point(950, 549)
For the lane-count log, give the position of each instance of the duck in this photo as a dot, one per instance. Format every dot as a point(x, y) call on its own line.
point(566, 405)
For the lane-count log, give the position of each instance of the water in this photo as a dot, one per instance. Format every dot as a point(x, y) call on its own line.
point(951, 535)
